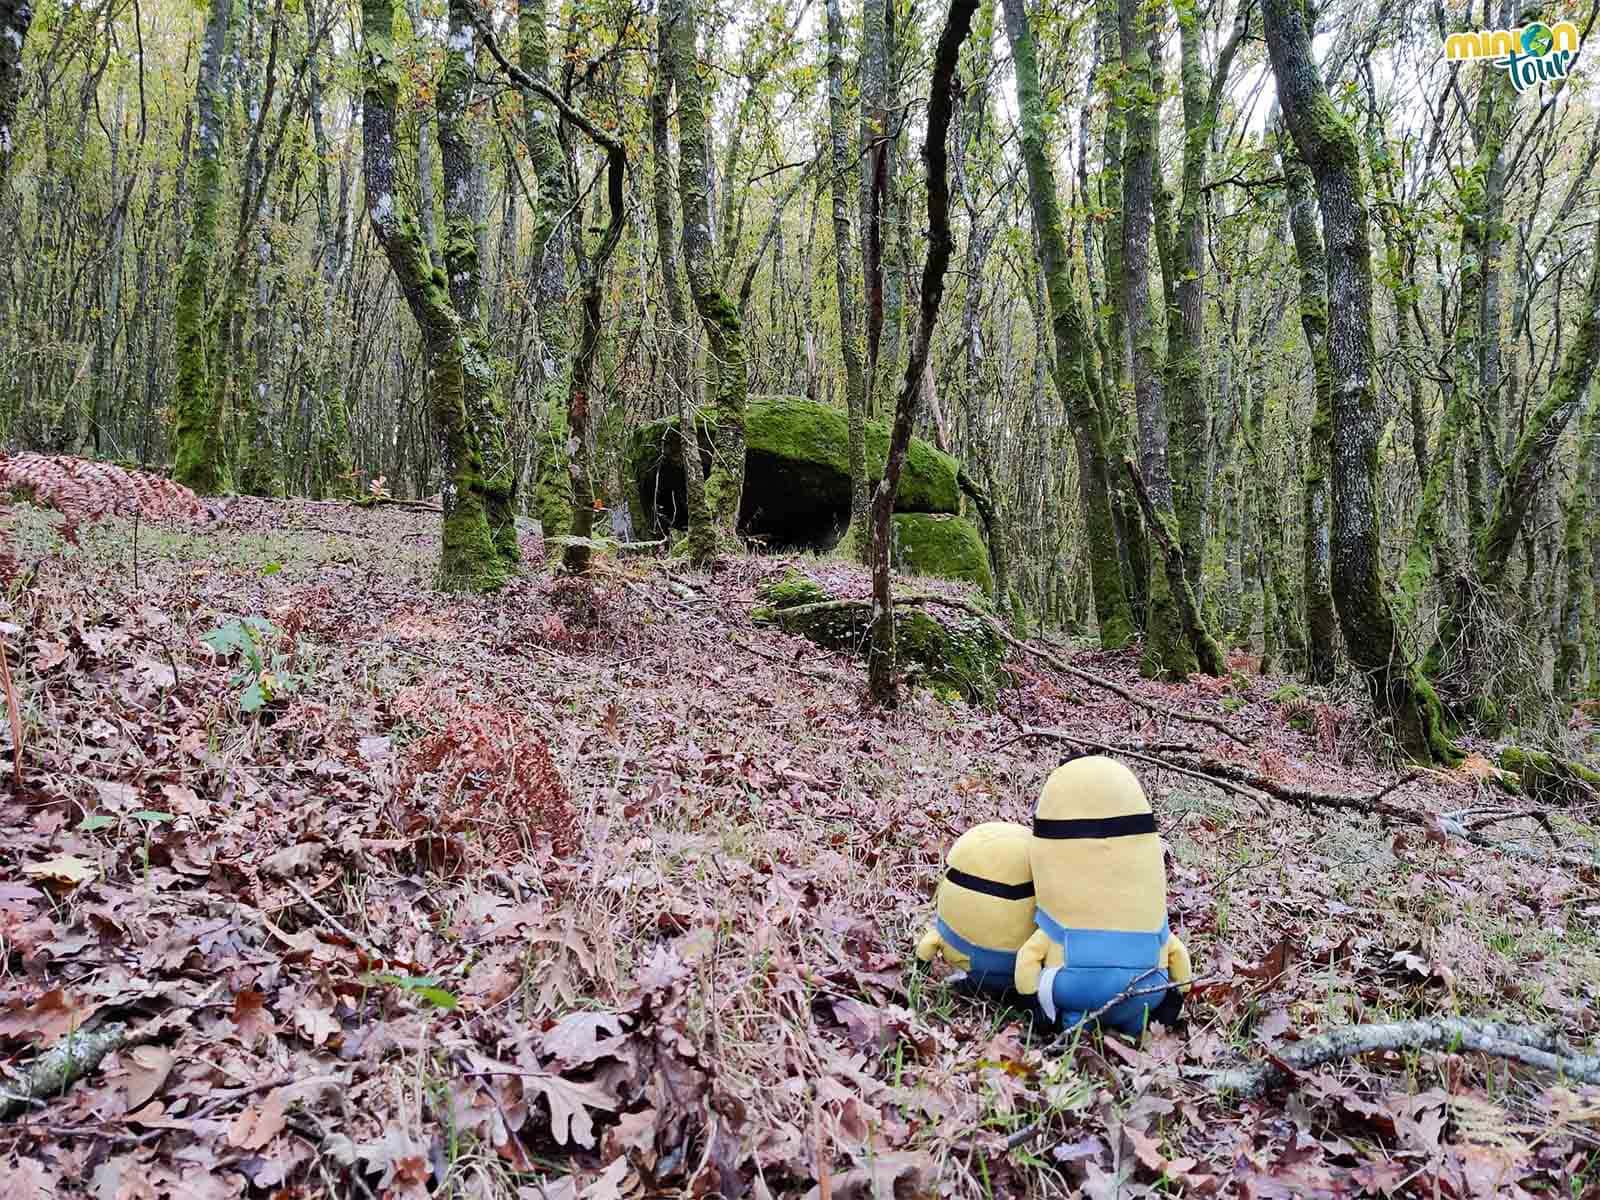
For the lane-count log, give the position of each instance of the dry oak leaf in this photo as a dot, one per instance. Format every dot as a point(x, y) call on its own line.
point(48, 1019)
point(251, 1018)
point(316, 1025)
point(64, 868)
point(570, 1104)
point(257, 1125)
point(583, 1037)
point(147, 1070)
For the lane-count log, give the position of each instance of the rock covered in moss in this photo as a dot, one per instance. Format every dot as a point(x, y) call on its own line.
point(1549, 779)
point(940, 648)
point(941, 544)
point(797, 473)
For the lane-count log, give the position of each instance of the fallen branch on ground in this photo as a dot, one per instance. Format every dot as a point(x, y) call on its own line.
point(63, 1065)
point(1531, 1047)
point(1043, 655)
point(1254, 786)
point(375, 501)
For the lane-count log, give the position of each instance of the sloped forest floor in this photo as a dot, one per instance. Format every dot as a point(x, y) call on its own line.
point(599, 889)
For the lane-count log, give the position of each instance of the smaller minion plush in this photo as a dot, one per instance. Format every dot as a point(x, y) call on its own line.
point(984, 906)
point(1098, 865)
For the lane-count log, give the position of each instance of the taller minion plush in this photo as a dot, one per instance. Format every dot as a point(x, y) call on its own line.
point(983, 909)
point(1100, 885)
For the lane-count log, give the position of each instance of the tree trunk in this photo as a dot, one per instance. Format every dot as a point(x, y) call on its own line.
point(680, 360)
point(855, 388)
point(724, 329)
point(1176, 640)
point(1331, 151)
point(1577, 605)
point(941, 101)
point(198, 435)
point(552, 358)
point(15, 18)
point(469, 559)
point(1529, 463)
point(1321, 619)
point(1074, 364)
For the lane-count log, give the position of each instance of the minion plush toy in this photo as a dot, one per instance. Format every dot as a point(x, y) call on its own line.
point(1101, 884)
point(984, 906)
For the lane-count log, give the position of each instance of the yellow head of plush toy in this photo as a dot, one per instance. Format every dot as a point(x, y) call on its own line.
point(984, 906)
point(1101, 891)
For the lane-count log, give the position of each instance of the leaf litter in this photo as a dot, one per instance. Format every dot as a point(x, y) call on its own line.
point(570, 893)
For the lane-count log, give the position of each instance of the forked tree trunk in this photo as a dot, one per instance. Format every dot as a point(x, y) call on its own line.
point(470, 559)
point(1330, 149)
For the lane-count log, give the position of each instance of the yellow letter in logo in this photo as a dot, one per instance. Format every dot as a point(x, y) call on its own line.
point(1462, 46)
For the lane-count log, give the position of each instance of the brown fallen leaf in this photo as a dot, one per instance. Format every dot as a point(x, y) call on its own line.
point(251, 1017)
point(257, 1125)
point(147, 1070)
point(47, 1020)
point(65, 868)
point(316, 1025)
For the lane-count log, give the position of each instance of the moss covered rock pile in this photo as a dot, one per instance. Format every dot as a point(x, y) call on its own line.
point(942, 649)
point(797, 487)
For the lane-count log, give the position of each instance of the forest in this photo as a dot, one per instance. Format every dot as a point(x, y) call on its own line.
point(546, 543)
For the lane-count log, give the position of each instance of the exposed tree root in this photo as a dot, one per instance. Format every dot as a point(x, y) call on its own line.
point(1531, 1047)
point(63, 1065)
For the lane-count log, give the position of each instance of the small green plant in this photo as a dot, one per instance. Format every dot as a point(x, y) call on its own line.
point(424, 987)
point(264, 674)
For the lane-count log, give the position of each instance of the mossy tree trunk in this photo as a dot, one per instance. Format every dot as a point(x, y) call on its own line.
point(1577, 603)
point(15, 18)
point(1431, 555)
point(680, 360)
point(1320, 617)
point(1526, 471)
point(470, 559)
point(718, 314)
point(1185, 365)
point(941, 103)
point(198, 438)
point(487, 413)
point(334, 468)
point(855, 386)
point(1330, 149)
point(1176, 642)
point(1074, 367)
point(552, 358)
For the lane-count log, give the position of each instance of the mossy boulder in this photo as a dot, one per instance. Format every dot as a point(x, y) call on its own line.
point(797, 473)
point(941, 544)
point(939, 648)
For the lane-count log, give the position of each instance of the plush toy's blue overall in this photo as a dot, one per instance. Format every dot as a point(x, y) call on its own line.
point(984, 907)
point(1100, 887)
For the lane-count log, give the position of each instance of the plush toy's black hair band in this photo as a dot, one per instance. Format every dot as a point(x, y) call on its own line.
point(1095, 827)
point(990, 887)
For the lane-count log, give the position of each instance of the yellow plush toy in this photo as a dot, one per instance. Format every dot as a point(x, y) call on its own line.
point(1101, 884)
point(984, 906)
